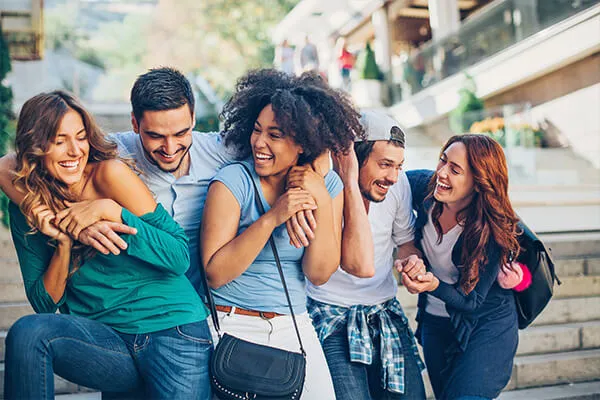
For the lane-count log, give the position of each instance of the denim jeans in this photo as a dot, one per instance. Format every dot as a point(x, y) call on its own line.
point(358, 381)
point(168, 364)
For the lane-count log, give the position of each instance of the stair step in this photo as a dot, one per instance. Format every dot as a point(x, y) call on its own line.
point(12, 291)
point(577, 286)
point(573, 244)
point(61, 386)
point(559, 338)
point(562, 311)
point(572, 391)
point(557, 368)
point(9, 269)
point(577, 266)
point(10, 312)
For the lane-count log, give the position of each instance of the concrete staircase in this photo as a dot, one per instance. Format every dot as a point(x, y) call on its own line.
point(559, 355)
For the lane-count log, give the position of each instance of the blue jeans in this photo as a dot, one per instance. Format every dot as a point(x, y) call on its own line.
point(358, 381)
point(168, 364)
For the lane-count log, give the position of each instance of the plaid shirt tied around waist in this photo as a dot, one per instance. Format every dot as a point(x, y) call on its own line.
point(327, 318)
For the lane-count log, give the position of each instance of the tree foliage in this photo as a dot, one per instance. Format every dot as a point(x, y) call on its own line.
point(466, 112)
point(367, 66)
point(219, 39)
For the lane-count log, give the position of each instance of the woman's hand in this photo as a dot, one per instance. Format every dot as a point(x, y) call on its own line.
point(424, 283)
point(306, 178)
point(44, 219)
point(301, 228)
point(510, 275)
point(80, 215)
point(291, 202)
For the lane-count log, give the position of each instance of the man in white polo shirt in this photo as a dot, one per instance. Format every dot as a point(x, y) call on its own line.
point(370, 349)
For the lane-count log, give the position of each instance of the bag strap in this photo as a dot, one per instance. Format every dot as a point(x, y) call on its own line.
point(209, 300)
point(209, 296)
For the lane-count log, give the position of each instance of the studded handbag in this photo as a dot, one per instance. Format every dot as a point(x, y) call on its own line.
point(244, 370)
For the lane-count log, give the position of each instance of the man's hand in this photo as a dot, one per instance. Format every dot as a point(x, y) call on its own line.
point(79, 216)
point(412, 265)
point(424, 283)
point(301, 228)
point(306, 178)
point(510, 275)
point(103, 237)
point(346, 166)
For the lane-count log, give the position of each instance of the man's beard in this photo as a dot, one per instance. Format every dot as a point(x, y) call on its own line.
point(154, 162)
point(367, 195)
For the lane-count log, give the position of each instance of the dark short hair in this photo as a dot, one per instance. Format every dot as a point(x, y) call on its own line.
point(161, 89)
point(365, 148)
point(316, 116)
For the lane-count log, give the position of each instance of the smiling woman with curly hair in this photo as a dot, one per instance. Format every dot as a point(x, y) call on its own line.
point(282, 128)
point(315, 116)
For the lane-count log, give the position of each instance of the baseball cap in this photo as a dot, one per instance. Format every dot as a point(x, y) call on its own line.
point(380, 126)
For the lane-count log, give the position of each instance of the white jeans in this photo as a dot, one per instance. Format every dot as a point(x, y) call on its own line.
point(279, 332)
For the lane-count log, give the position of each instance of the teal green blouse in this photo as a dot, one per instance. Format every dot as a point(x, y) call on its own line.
point(142, 290)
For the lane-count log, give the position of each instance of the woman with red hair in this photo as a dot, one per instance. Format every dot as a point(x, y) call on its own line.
point(466, 229)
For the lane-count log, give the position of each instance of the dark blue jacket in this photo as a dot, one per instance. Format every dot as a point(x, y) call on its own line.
point(487, 300)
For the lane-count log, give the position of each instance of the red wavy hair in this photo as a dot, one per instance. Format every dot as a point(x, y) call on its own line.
point(489, 215)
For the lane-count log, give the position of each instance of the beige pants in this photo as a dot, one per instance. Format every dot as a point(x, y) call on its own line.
point(279, 332)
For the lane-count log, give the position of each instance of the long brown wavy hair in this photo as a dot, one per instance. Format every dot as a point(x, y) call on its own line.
point(38, 123)
point(489, 215)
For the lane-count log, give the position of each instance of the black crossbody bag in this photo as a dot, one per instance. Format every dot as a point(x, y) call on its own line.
point(538, 259)
point(244, 370)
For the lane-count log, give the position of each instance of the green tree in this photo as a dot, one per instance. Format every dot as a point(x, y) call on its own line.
point(219, 39)
point(367, 66)
point(465, 113)
point(6, 116)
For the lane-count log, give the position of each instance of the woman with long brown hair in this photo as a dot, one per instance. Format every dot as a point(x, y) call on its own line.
point(128, 322)
point(466, 229)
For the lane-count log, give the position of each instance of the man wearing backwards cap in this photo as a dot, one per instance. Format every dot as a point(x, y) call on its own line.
point(370, 349)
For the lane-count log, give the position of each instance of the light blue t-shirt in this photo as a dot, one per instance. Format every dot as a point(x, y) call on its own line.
point(259, 287)
point(183, 198)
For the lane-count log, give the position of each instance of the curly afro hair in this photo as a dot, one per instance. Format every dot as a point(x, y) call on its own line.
point(316, 116)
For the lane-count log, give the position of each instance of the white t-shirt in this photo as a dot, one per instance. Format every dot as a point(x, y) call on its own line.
point(392, 224)
point(440, 261)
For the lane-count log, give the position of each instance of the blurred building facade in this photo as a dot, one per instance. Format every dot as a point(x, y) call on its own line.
point(536, 60)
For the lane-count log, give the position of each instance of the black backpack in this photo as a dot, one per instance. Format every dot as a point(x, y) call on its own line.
point(537, 257)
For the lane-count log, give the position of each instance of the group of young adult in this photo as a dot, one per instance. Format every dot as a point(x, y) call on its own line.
point(113, 232)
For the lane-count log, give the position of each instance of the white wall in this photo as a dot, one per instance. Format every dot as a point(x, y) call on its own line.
point(577, 116)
